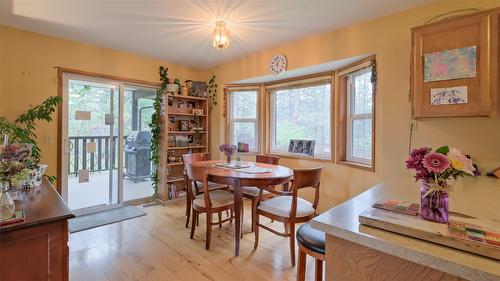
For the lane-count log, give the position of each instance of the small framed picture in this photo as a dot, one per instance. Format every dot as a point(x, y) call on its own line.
point(198, 112)
point(191, 104)
point(305, 147)
point(184, 125)
point(170, 101)
point(180, 103)
point(171, 141)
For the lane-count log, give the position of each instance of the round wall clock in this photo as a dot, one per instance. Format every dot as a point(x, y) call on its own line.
point(278, 64)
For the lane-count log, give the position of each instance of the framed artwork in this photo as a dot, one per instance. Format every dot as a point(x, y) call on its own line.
point(198, 112)
point(305, 147)
point(243, 147)
point(184, 125)
point(182, 141)
point(452, 95)
point(171, 141)
point(191, 104)
point(451, 64)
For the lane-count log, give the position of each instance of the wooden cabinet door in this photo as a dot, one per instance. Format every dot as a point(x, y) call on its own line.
point(459, 33)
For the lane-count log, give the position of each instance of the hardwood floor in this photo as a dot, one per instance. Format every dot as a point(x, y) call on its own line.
point(157, 247)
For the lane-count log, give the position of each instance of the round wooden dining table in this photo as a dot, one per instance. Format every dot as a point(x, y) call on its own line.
point(278, 175)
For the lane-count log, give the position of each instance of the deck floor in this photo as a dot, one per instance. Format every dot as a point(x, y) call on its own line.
point(96, 191)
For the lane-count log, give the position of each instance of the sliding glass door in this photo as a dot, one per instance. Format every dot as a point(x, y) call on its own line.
point(106, 138)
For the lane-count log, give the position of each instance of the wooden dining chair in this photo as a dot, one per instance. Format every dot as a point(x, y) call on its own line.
point(209, 202)
point(195, 186)
point(252, 192)
point(288, 208)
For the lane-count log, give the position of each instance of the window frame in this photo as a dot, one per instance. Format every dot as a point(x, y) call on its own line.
point(343, 91)
point(232, 120)
point(352, 117)
point(299, 82)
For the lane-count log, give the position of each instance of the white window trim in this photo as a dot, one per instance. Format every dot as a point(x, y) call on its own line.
point(272, 118)
point(351, 117)
point(233, 120)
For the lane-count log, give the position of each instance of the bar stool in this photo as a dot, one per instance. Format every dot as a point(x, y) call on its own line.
point(312, 243)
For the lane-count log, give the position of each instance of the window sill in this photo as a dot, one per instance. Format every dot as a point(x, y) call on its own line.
point(361, 166)
point(301, 157)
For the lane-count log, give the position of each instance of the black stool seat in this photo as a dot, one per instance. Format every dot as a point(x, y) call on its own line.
point(310, 238)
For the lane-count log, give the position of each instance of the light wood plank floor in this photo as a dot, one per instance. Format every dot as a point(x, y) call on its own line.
point(157, 247)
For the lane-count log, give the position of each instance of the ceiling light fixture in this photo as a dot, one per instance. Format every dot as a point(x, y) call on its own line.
point(221, 35)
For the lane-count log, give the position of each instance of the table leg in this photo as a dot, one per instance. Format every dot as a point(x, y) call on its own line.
point(238, 204)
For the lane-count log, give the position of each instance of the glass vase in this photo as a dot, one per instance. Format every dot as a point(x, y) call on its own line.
point(7, 206)
point(228, 158)
point(434, 206)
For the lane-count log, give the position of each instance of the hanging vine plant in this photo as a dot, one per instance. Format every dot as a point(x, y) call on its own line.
point(212, 92)
point(155, 126)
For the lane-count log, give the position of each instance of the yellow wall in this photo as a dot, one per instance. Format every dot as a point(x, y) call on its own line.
point(389, 39)
point(28, 75)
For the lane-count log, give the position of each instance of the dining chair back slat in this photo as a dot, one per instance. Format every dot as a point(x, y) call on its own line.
point(268, 159)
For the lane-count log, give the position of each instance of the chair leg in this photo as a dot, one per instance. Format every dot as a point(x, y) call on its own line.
point(220, 219)
point(209, 230)
point(193, 223)
point(197, 219)
point(188, 213)
point(301, 269)
point(254, 210)
point(241, 221)
point(292, 243)
point(232, 216)
point(256, 231)
point(318, 270)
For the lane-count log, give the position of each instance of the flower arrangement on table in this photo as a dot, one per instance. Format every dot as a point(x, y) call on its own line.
point(15, 165)
point(228, 150)
point(438, 171)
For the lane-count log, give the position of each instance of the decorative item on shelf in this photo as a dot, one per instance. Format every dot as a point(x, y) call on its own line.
point(197, 88)
point(172, 191)
point(184, 125)
point(191, 139)
point(173, 86)
point(228, 150)
point(182, 141)
point(155, 126)
point(171, 141)
point(243, 147)
point(212, 92)
point(197, 136)
point(15, 165)
point(171, 157)
point(437, 172)
point(190, 105)
point(184, 90)
point(305, 147)
point(197, 112)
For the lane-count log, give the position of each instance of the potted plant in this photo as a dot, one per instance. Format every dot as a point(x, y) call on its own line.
point(22, 130)
point(173, 86)
point(15, 165)
point(438, 171)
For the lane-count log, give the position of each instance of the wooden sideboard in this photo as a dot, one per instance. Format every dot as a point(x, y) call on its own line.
point(37, 248)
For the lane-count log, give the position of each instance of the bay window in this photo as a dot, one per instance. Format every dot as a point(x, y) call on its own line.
point(243, 117)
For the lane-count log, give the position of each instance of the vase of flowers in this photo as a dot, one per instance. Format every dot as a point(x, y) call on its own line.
point(15, 165)
point(438, 171)
point(228, 150)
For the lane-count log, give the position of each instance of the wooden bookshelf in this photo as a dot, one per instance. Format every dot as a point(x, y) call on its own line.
point(178, 139)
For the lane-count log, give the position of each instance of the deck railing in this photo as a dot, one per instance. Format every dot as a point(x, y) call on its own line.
point(98, 161)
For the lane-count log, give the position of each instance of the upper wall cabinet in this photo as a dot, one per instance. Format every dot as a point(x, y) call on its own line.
point(454, 67)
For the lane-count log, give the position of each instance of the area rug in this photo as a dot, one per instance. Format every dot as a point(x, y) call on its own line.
point(103, 218)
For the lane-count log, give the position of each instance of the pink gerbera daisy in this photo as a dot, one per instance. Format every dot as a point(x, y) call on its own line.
point(436, 162)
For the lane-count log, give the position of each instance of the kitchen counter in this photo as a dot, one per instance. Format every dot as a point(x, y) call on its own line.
point(397, 256)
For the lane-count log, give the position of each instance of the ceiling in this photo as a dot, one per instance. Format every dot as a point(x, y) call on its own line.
point(180, 31)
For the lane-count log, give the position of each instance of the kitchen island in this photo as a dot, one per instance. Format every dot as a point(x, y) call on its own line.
point(359, 252)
